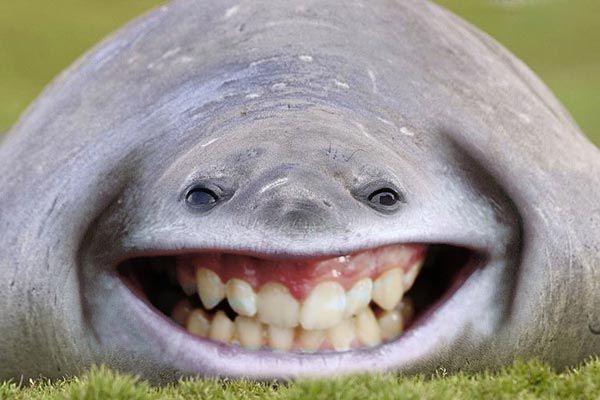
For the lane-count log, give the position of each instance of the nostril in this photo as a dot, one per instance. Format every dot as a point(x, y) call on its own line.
point(301, 220)
point(297, 215)
point(305, 216)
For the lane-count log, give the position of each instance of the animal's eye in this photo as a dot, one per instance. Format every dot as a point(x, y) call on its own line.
point(385, 198)
point(201, 197)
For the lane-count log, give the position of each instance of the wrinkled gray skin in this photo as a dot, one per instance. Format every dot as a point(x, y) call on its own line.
point(295, 110)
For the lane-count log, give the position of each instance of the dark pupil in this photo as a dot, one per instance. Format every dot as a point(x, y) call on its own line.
point(200, 197)
point(386, 199)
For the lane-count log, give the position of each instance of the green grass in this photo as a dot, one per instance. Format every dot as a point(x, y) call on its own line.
point(557, 38)
point(530, 380)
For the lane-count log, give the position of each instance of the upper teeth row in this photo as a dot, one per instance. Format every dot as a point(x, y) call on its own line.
point(326, 306)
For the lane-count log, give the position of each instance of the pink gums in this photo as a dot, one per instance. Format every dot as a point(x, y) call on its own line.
point(301, 276)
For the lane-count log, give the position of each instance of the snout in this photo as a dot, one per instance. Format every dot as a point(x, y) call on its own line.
point(295, 200)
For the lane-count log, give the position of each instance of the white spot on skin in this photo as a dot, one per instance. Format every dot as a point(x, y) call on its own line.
point(343, 85)
point(524, 118)
point(303, 21)
point(278, 182)
point(133, 59)
point(405, 131)
point(306, 58)
point(363, 130)
point(373, 80)
point(231, 11)
point(185, 59)
point(253, 95)
point(262, 61)
point(171, 53)
point(211, 141)
point(385, 121)
point(278, 86)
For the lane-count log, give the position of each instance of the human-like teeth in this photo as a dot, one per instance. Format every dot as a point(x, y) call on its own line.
point(241, 297)
point(324, 307)
point(367, 328)
point(390, 324)
point(187, 280)
point(210, 288)
point(280, 338)
point(342, 335)
point(407, 309)
point(221, 328)
point(181, 312)
point(411, 274)
point(276, 306)
point(358, 297)
point(198, 323)
point(311, 340)
point(388, 289)
point(249, 332)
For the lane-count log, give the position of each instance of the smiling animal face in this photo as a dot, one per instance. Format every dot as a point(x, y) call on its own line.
point(267, 189)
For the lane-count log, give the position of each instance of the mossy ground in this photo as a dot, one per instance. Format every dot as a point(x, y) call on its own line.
point(530, 380)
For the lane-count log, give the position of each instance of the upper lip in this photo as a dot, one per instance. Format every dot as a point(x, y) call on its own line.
point(273, 250)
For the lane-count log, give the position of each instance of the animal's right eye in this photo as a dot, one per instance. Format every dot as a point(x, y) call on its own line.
point(201, 197)
point(385, 197)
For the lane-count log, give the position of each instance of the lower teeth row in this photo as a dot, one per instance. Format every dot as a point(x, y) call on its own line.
point(363, 329)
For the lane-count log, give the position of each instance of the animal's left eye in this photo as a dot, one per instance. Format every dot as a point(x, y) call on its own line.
point(201, 197)
point(385, 198)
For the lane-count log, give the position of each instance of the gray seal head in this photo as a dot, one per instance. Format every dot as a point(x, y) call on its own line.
point(249, 188)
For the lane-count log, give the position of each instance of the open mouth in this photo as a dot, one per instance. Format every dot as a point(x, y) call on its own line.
point(341, 303)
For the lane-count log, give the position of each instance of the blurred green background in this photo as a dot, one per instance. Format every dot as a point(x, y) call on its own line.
point(558, 39)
